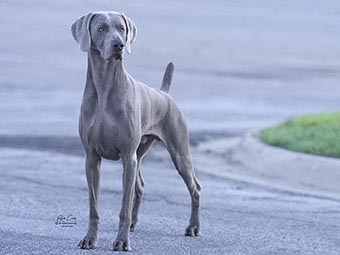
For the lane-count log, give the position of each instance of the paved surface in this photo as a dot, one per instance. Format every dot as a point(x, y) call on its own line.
point(239, 66)
point(237, 218)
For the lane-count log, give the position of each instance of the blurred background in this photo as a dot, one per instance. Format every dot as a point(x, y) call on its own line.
point(239, 65)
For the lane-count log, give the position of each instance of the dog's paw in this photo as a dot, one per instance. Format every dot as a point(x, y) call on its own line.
point(192, 231)
point(120, 245)
point(88, 242)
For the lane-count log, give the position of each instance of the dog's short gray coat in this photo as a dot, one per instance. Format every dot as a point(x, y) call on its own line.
point(121, 118)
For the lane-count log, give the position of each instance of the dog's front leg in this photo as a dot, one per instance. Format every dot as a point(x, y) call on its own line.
point(92, 167)
point(122, 242)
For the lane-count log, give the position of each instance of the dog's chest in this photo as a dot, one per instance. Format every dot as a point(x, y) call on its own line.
point(105, 128)
point(103, 137)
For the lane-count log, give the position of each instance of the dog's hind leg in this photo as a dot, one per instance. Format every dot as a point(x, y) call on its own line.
point(139, 186)
point(176, 139)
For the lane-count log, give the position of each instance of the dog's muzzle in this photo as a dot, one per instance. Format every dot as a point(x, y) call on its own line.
point(118, 51)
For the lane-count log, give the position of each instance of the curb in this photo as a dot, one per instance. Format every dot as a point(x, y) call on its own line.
point(250, 160)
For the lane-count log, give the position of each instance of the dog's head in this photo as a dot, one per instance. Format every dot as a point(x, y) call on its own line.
point(107, 32)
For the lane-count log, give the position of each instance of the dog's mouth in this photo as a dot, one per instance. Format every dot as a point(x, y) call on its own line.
point(117, 57)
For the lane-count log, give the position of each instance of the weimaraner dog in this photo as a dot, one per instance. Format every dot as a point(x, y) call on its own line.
point(121, 118)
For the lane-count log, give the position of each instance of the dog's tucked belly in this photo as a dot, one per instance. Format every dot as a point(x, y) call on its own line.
point(101, 136)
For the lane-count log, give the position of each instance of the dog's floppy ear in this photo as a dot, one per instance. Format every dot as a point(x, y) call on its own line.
point(81, 31)
point(131, 32)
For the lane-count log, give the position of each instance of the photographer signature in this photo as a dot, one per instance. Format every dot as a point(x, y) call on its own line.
point(68, 221)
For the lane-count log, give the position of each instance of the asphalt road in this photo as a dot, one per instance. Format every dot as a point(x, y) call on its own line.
point(237, 218)
point(239, 66)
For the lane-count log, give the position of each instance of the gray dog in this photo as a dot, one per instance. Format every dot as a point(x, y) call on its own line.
point(121, 118)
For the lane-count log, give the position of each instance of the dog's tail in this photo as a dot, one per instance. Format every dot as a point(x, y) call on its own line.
point(167, 78)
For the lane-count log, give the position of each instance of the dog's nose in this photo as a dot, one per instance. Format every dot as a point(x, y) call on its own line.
point(118, 47)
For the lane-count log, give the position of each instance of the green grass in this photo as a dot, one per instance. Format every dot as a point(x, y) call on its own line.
point(314, 134)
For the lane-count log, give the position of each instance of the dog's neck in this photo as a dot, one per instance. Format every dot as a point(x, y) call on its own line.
point(103, 74)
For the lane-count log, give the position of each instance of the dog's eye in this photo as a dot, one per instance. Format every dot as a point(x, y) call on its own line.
point(121, 29)
point(101, 29)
